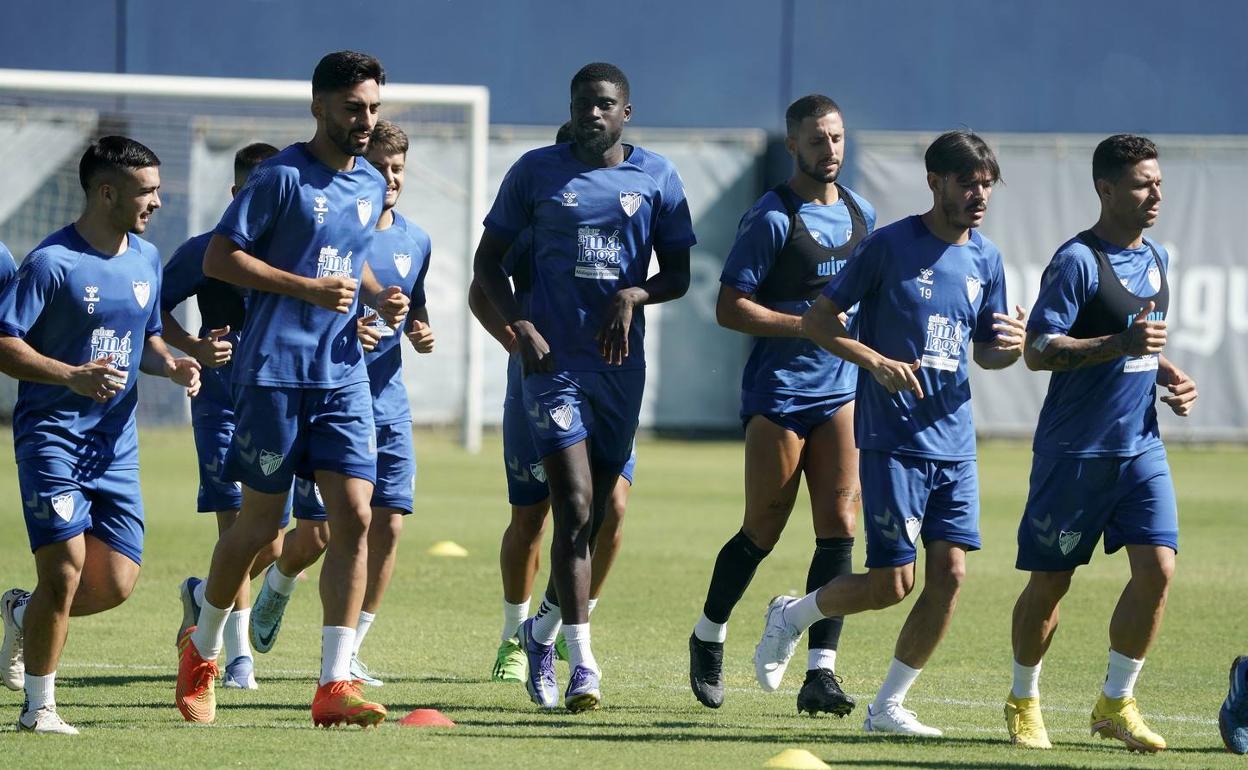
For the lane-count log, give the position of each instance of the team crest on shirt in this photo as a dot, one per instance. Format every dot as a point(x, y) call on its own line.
point(1154, 277)
point(142, 291)
point(63, 505)
point(1067, 541)
point(914, 525)
point(972, 287)
point(630, 201)
point(402, 263)
point(364, 210)
point(562, 415)
point(270, 461)
point(569, 199)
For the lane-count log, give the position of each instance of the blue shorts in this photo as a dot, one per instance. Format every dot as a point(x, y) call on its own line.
point(526, 477)
point(212, 441)
point(906, 497)
point(565, 408)
point(800, 414)
point(288, 432)
point(61, 501)
point(396, 476)
point(1074, 500)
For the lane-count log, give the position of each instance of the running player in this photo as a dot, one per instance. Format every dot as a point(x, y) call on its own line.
point(796, 398)
point(76, 327)
point(926, 287)
point(1099, 467)
point(527, 491)
point(295, 235)
point(597, 208)
point(399, 256)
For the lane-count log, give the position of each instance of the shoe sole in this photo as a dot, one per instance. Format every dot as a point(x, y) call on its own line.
point(842, 709)
point(586, 701)
point(368, 718)
point(1105, 729)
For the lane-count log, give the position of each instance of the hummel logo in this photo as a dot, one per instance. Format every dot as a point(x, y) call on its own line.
point(888, 527)
point(925, 276)
point(569, 199)
point(248, 457)
point(243, 439)
point(540, 421)
point(518, 473)
point(213, 467)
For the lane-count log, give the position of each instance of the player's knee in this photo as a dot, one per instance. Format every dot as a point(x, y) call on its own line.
point(1050, 586)
point(528, 522)
point(60, 583)
point(385, 529)
point(949, 579)
point(762, 536)
point(890, 587)
point(1155, 578)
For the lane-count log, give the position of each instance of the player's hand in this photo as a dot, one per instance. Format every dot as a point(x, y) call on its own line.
point(896, 376)
point(97, 380)
point(613, 336)
point(185, 372)
point(1011, 331)
point(421, 336)
point(392, 304)
point(1182, 389)
point(213, 351)
point(535, 355)
point(367, 331)
point(333, 292)
point(1144, 337)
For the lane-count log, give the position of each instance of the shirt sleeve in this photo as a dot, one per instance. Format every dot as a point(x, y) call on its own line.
point(513, 207)
point(156, 327)
point(255, 207)
point(860, 276)
point(760, 237)
point(182, 277)
point(8, 267)
point(994, 301)
point(417, 294)
point(1067, 285)
point(23, 301)
point(673, 227)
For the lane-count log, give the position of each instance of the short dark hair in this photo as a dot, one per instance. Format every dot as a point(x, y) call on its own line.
point(564, 134)
point(599, 71)
point(388, 138)
point(113, 153)
point(809, 106)
point(1115, 155)
point(246, 159)
point(343, 69)
point(961, 153)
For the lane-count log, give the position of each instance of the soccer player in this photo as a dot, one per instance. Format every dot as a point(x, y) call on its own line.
point(1233, 716)
point(926, 287)
point(8, 268)
point(295, 235)
point(1099, 467)
point(399, 256)
point(597, 208)
point(76, 327)
point(796, 398)
point(527, 491)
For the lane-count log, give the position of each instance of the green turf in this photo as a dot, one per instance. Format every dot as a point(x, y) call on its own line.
point(435, 638)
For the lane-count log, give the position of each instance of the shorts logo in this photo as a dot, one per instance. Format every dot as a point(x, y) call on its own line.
point(539, 471)
point(943, 349)
point(914, 525)
point(364, 210)
point(270, 461)
point(562, 415)
point(972, 287)
point(403, 263)
point(330, 265)
point(888, 526)
point(1067, 541)
point(569, 200)
point(142, 291)
point(64, 506)
point(540, 421)
point(630, 202)
point(517, 472)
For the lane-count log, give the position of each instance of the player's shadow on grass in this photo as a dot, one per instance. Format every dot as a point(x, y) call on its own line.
point(112, 680)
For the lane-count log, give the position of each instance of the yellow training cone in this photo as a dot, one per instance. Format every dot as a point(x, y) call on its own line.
point(797, 759)
point(447, 548)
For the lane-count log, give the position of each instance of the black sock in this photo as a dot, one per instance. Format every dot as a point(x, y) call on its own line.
point(833, 556)
point(734, 569)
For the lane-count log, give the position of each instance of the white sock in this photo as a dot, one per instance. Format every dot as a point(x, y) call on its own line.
point(361, 628)
point(198, 593)
point(591, 605)
point(896, 684)
point(1120, 679)
point(236, 643)
point(803, 613)
point(821, 658)
point(709, 631)
point(579, 653)
point(336, 644)
point(1026, 680)
point(546, 623)
point(513, 616)
point(275, 579)
point(209, 634)
point(40, 691)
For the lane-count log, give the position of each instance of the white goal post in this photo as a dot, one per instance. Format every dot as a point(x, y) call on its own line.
point(270, 108)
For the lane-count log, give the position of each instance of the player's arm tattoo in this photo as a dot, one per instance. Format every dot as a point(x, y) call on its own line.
point(1059, 353)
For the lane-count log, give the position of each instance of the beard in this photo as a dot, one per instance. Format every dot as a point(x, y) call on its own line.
point(598, 142)
point(815, 173)
point(341, 137)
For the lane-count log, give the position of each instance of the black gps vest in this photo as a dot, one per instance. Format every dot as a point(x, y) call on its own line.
point(1111, 309)
point(803, 266)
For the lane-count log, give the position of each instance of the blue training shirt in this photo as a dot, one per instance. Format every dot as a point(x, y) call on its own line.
point(303, 217)
point(74, 304)
point(1108, 409)
point(220, 305)
point(399, 257)
point(790, 365)
point(593, 230)
point(920, 298)
point(8, 267)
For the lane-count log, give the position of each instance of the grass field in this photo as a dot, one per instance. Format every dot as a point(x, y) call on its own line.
point(434, 639)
